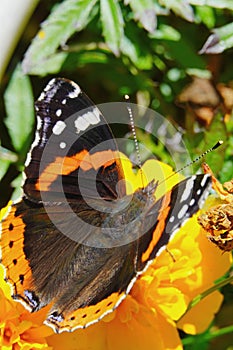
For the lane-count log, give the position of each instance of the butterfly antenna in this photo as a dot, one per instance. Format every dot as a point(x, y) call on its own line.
point(219, 143)
point(132, 125)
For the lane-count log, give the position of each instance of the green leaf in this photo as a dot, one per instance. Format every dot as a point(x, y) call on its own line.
point(206, 15)
point(180, 8)
point(219, 41)
point(131, 49)
point(4, 165)
point(6, 155)
point(176, 50)
point(6, 158)
point(67, 18)
point(19, 103)
point(166, 32)
point(79, 59)
point(17, 185)
point(226, 173)
point(51, 65)
point(145, 12)
point(223, 4)
point(112, 23)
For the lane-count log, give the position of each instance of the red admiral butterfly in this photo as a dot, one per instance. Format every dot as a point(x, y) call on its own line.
point(76, 240)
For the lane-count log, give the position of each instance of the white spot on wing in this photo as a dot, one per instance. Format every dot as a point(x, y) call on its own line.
point(188, 187)
point(182, 211)
point(62, 145)
point(81, 124)
point(49, 85)
point(46, 89)
point(58, 112)
point(39, 122)
point(34, 144)
point(36, 140)
point(42, 96)
point(28, 159)
point(59, 127)
point(93, 117)
point(203, 181)
point(172, 218)
point(75, 92)
point(72, 94)
point(87, 119)
point(192, 202)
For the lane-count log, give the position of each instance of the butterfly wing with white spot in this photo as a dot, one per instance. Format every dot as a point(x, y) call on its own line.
point(73, 147)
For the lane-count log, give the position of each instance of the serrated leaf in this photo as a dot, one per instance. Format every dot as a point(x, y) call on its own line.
point(219, 41)
point(112, 24)
point(19, 104)
point(67, 18)
point(180, 8)
point(145, 12)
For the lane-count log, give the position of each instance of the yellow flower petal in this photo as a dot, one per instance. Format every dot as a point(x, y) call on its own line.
point(92, 338)
point(151, 170)
point(201, 315)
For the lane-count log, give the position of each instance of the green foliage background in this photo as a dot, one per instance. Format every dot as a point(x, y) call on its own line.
point(147, 49)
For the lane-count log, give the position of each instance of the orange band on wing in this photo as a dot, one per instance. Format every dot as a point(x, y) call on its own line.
point(65, 166)
point(163, 213)
point(17, 267)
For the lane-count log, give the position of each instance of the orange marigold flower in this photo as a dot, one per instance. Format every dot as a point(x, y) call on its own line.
point(18, 328)
point(151, 314)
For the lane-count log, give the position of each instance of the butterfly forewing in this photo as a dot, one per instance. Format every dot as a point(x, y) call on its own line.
point(72, 142)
